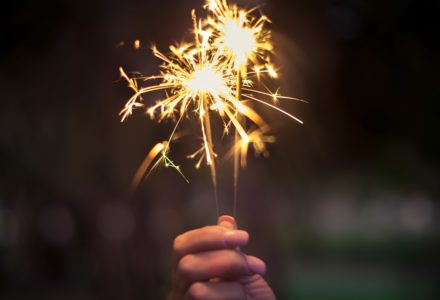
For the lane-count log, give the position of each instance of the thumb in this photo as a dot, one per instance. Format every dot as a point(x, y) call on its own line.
point(227, 222)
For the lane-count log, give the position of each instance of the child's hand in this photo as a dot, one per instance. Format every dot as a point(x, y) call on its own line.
point(210, 266)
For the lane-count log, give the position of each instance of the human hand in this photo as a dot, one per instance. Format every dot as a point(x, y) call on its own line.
point(210, 266)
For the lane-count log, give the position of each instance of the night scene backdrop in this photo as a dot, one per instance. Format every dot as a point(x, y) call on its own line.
point(346, 206)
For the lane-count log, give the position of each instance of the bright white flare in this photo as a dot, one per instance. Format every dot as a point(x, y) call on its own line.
point(238, 40)
point(207, 80)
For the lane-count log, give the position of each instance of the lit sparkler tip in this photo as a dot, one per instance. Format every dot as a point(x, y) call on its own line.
point(209, 75)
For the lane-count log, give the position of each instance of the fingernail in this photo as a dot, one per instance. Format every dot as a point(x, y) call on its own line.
point(227, 221)
point(256, 265)
point(234, 238)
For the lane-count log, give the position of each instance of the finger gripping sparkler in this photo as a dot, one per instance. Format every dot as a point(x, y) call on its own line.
point(219, 72)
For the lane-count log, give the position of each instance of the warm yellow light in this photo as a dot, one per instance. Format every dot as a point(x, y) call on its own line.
point(271, 70)
point(137, 44)
point(238, 35)
point(206, 80)
point(238, 40)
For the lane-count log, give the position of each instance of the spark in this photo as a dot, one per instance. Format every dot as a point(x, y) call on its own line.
point(218, 73)
point(137, 44)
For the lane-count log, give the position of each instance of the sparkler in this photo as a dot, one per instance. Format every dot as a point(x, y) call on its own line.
point(218, 72)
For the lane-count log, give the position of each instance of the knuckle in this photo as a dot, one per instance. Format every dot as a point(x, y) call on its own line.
point(198, 291)
point(186, 265)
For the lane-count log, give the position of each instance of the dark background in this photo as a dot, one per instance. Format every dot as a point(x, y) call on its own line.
point(346, 207)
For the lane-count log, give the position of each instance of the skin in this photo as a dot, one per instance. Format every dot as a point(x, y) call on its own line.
point(210, 266)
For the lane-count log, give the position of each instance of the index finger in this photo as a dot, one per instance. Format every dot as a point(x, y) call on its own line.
point(207, 239)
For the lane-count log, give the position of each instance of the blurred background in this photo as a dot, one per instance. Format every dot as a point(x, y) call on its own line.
point(346, 207)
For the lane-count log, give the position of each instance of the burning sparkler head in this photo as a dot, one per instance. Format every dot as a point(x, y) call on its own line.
point(206, 80)
point(239, 35)
point(216, 72)
point(238, 40)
